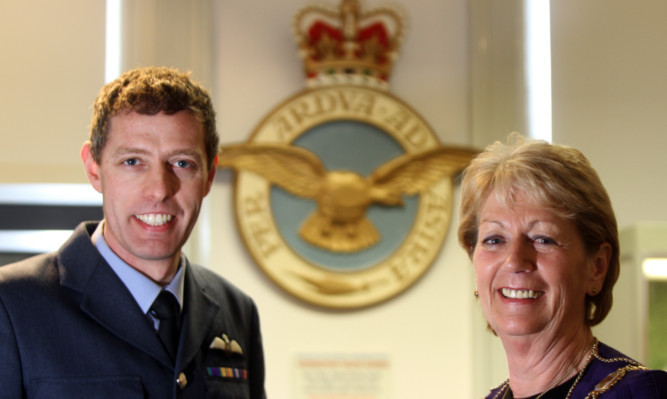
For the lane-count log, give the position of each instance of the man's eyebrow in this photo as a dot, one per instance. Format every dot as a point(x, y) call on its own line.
point(120, 151)
point(130, 150)
point(186, 152)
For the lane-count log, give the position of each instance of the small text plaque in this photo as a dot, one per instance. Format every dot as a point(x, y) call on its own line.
point(343, 376)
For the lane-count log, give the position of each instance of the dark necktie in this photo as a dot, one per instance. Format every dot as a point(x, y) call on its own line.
point(167, 311)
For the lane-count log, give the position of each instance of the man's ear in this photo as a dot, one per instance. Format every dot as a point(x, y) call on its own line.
point(211, 175)
point(91, 166)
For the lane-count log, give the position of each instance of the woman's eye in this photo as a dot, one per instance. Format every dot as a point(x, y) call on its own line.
point(131, 162)
point(544, 240)
point(492, 240)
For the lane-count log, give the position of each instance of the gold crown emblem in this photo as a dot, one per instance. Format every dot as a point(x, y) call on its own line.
point(347, 46)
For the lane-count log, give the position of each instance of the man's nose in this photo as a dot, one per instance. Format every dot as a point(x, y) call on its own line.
point(161, 183)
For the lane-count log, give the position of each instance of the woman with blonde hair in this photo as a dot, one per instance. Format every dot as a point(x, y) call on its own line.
point(540, 230)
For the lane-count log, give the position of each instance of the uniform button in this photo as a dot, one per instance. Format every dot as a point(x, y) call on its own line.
point(182, 381)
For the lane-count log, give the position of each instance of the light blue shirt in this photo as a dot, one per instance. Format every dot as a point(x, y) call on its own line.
point(143, 289)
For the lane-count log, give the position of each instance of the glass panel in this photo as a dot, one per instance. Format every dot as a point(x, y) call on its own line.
point(657, 325)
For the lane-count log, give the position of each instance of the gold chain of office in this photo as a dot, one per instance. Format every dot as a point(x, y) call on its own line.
point(603, 386)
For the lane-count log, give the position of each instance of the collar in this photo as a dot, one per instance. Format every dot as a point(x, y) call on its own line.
point(143, 289)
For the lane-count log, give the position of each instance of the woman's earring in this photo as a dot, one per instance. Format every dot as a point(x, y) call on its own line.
point(476, 293)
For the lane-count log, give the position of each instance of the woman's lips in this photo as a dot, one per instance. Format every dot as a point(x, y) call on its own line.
point(520, 293)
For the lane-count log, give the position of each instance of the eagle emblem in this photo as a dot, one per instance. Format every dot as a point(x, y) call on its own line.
point(339, 223)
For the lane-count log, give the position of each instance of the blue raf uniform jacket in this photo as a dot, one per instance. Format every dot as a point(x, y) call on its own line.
point(69, 328)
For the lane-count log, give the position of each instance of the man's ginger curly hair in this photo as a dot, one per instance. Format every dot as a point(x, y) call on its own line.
point(149, 91)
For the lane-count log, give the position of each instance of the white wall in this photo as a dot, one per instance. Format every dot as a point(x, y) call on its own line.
point(610, 97)
point(52, 68)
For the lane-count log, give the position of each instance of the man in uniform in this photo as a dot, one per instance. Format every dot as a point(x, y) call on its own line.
point(118, 311)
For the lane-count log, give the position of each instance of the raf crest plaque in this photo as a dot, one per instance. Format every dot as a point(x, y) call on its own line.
point(343, 193)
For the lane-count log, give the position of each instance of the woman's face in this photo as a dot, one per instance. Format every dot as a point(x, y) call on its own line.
point(532, 270)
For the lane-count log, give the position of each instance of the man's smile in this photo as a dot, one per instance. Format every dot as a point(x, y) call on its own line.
point(155, 219)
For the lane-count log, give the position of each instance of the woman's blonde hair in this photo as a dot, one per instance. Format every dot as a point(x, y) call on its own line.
point(560, 178)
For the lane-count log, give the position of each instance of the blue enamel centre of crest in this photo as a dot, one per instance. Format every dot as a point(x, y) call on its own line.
point(348, 145)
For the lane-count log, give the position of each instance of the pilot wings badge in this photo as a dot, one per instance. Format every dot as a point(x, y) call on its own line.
point(343, 193)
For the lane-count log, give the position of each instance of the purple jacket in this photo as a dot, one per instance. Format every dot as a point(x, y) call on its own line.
point(631, 384)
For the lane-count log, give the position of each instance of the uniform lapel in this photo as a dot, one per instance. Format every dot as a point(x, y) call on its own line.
point(200, 318)
point(104, 297)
